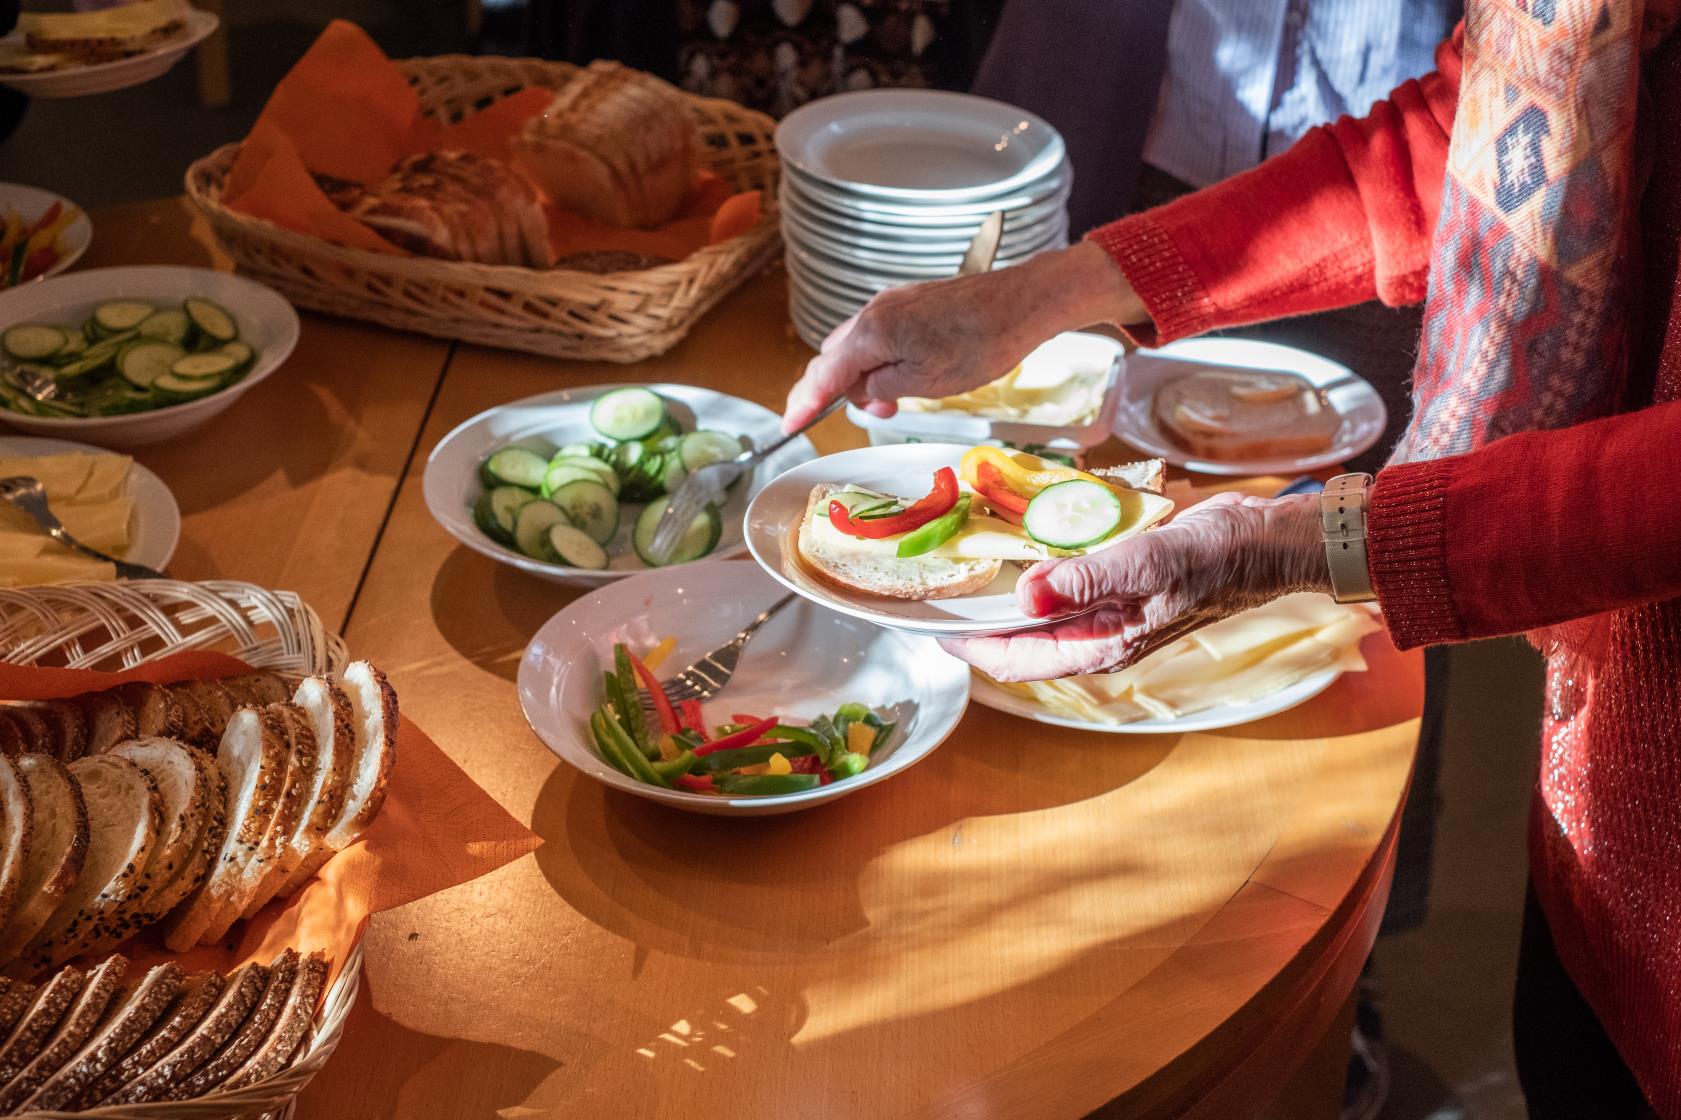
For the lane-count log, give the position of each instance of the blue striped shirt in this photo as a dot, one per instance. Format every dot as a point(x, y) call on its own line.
point(1245, 78)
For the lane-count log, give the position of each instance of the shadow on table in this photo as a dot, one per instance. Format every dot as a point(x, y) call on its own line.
point(493, 634)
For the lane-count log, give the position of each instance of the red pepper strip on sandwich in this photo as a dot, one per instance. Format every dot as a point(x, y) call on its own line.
point(1005, 502)
point(925, 509)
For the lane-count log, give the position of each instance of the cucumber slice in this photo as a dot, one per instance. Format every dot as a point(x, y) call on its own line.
point(210, 320)
point(141, 363)
point(700, 449)
point(559, 474)
point(626, 455)
point(498, 509)
point(121, 315)
point(204, 367)
point(174, 385)
point(97, 356)
point(645, 480)
point(591, 507)
point(170, 325)
point(533, 522)
point(240, 353)
point(700, 538)
point(602, 469)
point(633, 413)
point(30, 342)
point(674, 475)
point(1072, 514)
point(563, 544)
point(515, 466)
point(484, 516)
point(75, 342)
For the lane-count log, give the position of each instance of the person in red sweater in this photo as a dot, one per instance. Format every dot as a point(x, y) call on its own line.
point(1545, 442)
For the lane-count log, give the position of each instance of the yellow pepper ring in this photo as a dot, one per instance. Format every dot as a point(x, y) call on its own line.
point(1024, 474)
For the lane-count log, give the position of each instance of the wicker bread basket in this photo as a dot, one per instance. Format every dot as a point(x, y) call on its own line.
point(619, 317)
point(113, 626)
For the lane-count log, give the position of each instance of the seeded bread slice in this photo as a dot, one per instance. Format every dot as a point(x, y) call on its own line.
point(109, 720)
point(156, 711)
point(125, 815)
point(187, 1010)
point(69, 729)
point(258, 689)
point(36, 734)
point(16, 997)
point(17, 834)
point(58, 846)
point(293, 806)
point(252, 758)
point(43, 1017)
point(78, 1025)
point(295, 1017)
point(282, 978)
point(11, 738)
point(332, 719)
point(231, 1008)
point(214, 707)
point(131, 1015)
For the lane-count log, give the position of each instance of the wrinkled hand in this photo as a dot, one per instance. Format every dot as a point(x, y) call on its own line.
point(1220, 557)
point(949, 336)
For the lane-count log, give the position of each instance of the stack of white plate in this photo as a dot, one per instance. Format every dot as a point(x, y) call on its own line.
point(886, 187)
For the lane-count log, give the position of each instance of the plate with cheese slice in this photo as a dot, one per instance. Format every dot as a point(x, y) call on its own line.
point(105, 500)
point(1247, 667)
point(73, 54)
point(1233, 406)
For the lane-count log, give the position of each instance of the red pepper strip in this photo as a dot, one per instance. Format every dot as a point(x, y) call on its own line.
point(937, 501)
point(990, 485)
point(691, 718)
point(739, 718)
point(45, 219)
point(696, 783)
point(39, 261)
point(745, 737)
point(662, 705)
point(811, 764)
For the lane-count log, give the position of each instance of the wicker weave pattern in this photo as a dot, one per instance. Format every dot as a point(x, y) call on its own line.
point(112, 626)
point(621, 316)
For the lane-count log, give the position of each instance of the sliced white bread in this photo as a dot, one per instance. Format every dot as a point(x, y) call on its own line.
point(37, 736)
point(288, 812)
point(1148, 475)
point(131, 1015)
point(38, 1023)
point(253, 759)
point(332, 722)
point(375, 721)
point(918, 577)
point(78, 1025)
point(258, 689)
point(1229, 414)
point(69, 727)
point(198, 994)
point(17, 834)
point(56, 851)
point(244, 988)
point(125, 815)
point(289, 1028)
point(282, 977)
point(16, 996)
point(108, 719)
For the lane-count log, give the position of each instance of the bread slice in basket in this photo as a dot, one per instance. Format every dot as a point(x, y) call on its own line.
point(109, 720)
point(58, 844)
point(33, 731)
point(69, 729)
point(257, 689)
point(17, 827)
point(132, 1014)
point(209, 707)
point(45, 1013)
point(289, 1027)
point(156, 1082)
point(80, 1022)
point(16, 997)
point(282, 976)
point(198, 994)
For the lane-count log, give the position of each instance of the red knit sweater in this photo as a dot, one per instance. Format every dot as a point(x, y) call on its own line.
point(1530, 531)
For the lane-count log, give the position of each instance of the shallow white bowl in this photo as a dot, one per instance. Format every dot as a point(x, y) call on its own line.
point(156, 525)
point(266, 321)
point(806, 662)
point(32, 202)
point(551, 420)
point(103, 77)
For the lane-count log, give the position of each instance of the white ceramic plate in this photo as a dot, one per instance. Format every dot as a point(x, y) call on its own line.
point(774, 518)
point(917, 255)
point(1363, 413)
point(156, 528)
point(941, 223)
point(879, 275)
point(1050, 189)
point(103, 77)
point(551, 420)
point(904, 239)
point(812, 324)
point(32, 202)
point(805, 662)
point(266, 321)
point(1227, 715)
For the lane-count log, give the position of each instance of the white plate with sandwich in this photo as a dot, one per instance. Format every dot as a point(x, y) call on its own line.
point(1232, 406)
point(106, 500)
point(73, 54)
point(854, 531)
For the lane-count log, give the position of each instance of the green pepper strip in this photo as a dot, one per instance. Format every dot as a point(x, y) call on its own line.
point(672, 769)
point(635, 765)
point(849, 765)
point(767, 784)
point(749, 756)
point(805, 737)
point(927, 538)
point(630, 712)
point(603, 745)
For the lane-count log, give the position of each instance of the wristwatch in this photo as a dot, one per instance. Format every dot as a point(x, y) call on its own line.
point(1342, 515)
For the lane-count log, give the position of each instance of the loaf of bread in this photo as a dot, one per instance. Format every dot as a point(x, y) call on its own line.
point(1236, 414)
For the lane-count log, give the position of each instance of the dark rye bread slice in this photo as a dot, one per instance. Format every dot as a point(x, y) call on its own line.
point(69, 728)
point(282, 978)
point(56, 851)
point(232, 1008)
point(132, 1014)
point(301, 752)
point(37, 735)
point(109, 720)
point(15, 998)
point(187, 1010)
point(17, 833)
point(43, 1017)
point(78, 1025)
point(333, 721)
point(289, 1030)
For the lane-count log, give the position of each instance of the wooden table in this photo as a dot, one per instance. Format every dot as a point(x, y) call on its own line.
point(1032, 922)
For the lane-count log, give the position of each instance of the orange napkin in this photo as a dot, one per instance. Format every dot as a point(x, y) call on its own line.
point(344, 110)
point(437, 829)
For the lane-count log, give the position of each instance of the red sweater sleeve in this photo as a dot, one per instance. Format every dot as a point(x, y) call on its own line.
point(1343, 216)
point(1531, 530)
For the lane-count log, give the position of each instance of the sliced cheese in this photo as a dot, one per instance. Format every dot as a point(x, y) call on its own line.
point(88, 493)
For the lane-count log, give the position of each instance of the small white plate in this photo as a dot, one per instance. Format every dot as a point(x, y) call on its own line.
point(773, 524)
point(806, 662)
point(1227, 715)
point(156, 528)
point(266, 321)
point(877, 276)
point(1052, 189)
point(551, 420)
point(904, 240)
point(917, 255)
point(1363, 414)
point(812, 323)
point(32, 202)
point(104, 77)
point(939, 223)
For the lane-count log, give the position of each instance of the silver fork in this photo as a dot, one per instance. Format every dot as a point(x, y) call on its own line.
point(707, 676)
point(707, 485)
point(37, 384)
point(31, 497)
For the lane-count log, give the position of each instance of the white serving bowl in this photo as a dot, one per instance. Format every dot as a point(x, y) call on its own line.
point(32, 202)
point(266, 322)
point(805, 662)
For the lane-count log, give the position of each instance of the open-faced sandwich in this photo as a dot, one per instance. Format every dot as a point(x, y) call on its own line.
point(999, 506)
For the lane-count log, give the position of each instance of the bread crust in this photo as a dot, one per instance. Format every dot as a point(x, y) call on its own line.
point(132, 1015)
point(922, 578)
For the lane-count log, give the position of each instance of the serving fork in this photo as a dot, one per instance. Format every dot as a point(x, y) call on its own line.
point(706, 676)
point(30, 496)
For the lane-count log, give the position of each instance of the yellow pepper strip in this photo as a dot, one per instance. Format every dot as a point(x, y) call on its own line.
point(1023, 473)
point(860, 737)
point(45, 236)
point(668, 748)
point(14, 230)
point(662, 649)
point(776, 764)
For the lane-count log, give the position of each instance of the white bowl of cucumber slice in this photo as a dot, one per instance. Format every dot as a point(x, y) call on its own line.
point(567, 485)
point(128, 356)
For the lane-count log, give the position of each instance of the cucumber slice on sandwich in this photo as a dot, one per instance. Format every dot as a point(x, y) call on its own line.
point(634, 413)
point(1072, 514)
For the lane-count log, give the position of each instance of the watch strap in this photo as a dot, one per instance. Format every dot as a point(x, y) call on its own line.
point(1342, 516)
